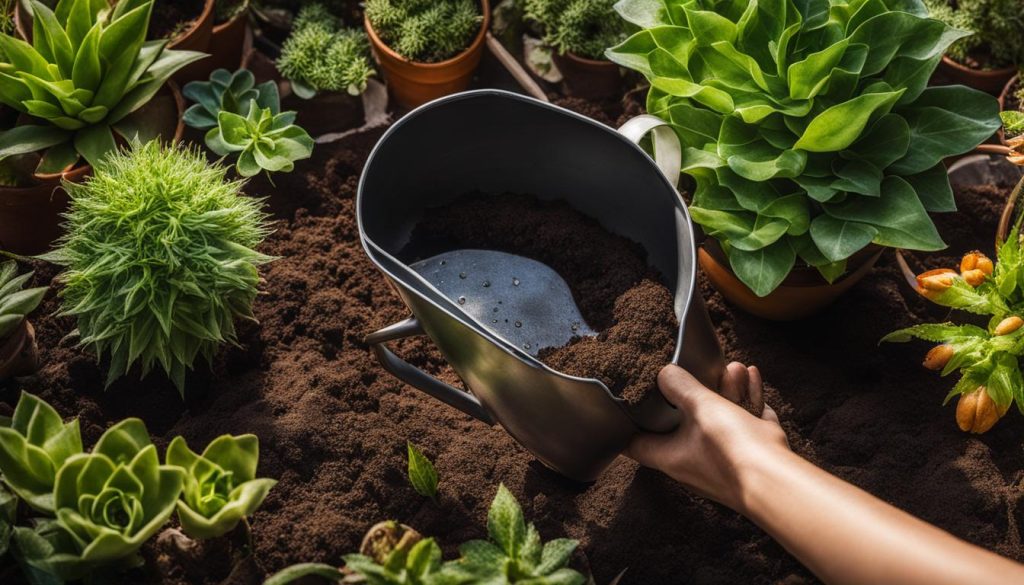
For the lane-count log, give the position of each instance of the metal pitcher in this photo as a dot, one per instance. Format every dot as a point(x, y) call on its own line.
point(494, 141)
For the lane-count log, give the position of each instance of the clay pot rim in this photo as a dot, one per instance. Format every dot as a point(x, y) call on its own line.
point(231, 21)
point(485, 25)
point(75, 173)
point(867, 255)
point(12, 346)
point(205, 15)
point(984, 73)
point(587, 61)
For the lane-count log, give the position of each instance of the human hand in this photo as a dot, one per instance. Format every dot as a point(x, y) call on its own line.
point(717, 440)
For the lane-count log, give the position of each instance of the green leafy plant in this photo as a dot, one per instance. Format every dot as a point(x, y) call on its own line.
point(987, 358)
point(160, 259)
point(422, 474)
point(108, 503)
point(34, 444)
point(583, 27)
point(425, 31)
point(265, 139)
point(221, 487)
point(808, 127)
point(1013, 122)
point(16, 302)
point(997, 28)
point(227, 92)
point(321, 54)
point(88, 69)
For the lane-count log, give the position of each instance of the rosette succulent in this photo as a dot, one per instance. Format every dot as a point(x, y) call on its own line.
point(221, 487)
point(265, 139)
point(807, 126)
point(108, 503)
point(160, 259)
point(88, 68)
point(34, 444)
point(227, 92)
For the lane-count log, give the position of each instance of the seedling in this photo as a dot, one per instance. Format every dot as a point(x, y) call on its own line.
point(160, 259)
point(810, 134)
point(422, 474)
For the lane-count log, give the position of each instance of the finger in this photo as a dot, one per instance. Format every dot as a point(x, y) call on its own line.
point(679, 387)
point(755, 390)
point(769, 414)
point(734, 382)
point(648, 449)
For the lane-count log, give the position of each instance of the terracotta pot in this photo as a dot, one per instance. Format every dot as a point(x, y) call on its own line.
point(988, 80)
point(19, 354)
point(30, 216)
point(803, 293)
point(1003, 97)
point(413, 84)
point(1008, 215)
point(228, 44)
point(588, 78)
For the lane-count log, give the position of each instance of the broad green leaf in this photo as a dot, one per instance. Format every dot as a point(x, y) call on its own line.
point(505, 523)
point(857, 176)
point(30, 138)
point(808, 77)
point(839, 239)
point(883, 143)
point(644, 13)
point(763, 270)
point(422, 474)
point(94, 143)
point(933, 188)
point(898, 215)
point(839, 126)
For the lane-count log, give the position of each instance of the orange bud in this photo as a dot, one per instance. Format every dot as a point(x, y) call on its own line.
point(935, 281)
point(938, 356)
point(1009, 325)
point(976, 412)
point(974, 277)
point(976, 261)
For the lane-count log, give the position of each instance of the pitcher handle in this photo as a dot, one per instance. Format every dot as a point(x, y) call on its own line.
point(668, 151)
point(416, 377)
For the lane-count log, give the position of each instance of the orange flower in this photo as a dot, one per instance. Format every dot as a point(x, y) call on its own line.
point(1009, 325)
point(938, 356)
point(932, 283)
point(976, 261)
point(976, 412)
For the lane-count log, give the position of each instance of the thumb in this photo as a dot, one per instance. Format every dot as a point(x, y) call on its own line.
point(650, 449)
point(679, 387)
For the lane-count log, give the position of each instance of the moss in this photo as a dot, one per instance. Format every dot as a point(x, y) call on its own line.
point(426, 31)
point(323, 55)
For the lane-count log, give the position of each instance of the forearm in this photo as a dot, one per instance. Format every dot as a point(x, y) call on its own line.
point(846, 536)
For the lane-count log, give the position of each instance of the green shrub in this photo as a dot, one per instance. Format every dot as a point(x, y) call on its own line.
point(583, 27)
point(810, 132)
point(321, 54)
point(160, 258)
point(426, 31)
point(997, 27)
point(82, 77)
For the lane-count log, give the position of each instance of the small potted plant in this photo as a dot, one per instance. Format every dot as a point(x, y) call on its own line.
point(18, 352)
point(326, 65)
point(427, 48)
point(578, 32)
point(990, 54)
point(1011, 102)
point(70, 119)
point(804, 171)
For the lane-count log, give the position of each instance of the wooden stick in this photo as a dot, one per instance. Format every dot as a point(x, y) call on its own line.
point(513, 66)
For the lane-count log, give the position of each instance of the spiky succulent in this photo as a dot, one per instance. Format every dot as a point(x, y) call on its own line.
point(583, 27)
point(321, 54)
point(426, 31)
point(88, 68)
point(16, 301)
point(226, 92)
point(160, 259)
point(997, 27)
point(808, 126)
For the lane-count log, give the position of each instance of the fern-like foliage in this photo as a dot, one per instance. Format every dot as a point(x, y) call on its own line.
point(998, 27)
point(583, 27)
point(160, 259)
point(426, 31)
point(321, 54)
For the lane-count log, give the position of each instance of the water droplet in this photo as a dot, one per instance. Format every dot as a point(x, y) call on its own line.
point(462, 300)
point(487, 283)
point(519, 323)
point(515, 282)
point(494, 321)
point(462, 275)
point(495, 309)
point(527, 346)
point(575, 326)
point(443, 262)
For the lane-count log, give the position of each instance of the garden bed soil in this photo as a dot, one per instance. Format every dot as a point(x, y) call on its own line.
point(333, 425)
point(618, 294)
point(172, 19)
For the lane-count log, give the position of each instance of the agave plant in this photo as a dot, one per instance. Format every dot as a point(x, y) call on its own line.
point(221, 487)
point(34, 444)
point(108, 503)
point(15, 301)
point(808, 126)
point(88, 68)
point(227, 92)
point(265, 139)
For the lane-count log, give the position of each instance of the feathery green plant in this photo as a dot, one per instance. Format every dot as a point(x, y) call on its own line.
point(583, 27)
point(997, 27)
point(321, 54)
point(15, 301)
point(426, 31)
point(160, 259)
point(88, 69)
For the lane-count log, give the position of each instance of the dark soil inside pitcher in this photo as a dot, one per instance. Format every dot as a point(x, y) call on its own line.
point(171, 20)
point(617, 293)
point(333, 424)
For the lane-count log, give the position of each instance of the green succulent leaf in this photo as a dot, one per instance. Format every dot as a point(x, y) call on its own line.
point(264, 140)
point(229, 92)
point(422, 474)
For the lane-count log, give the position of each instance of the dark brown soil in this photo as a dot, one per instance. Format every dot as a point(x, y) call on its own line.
point(333, 424)
point(172, 19)
point(617, 293)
